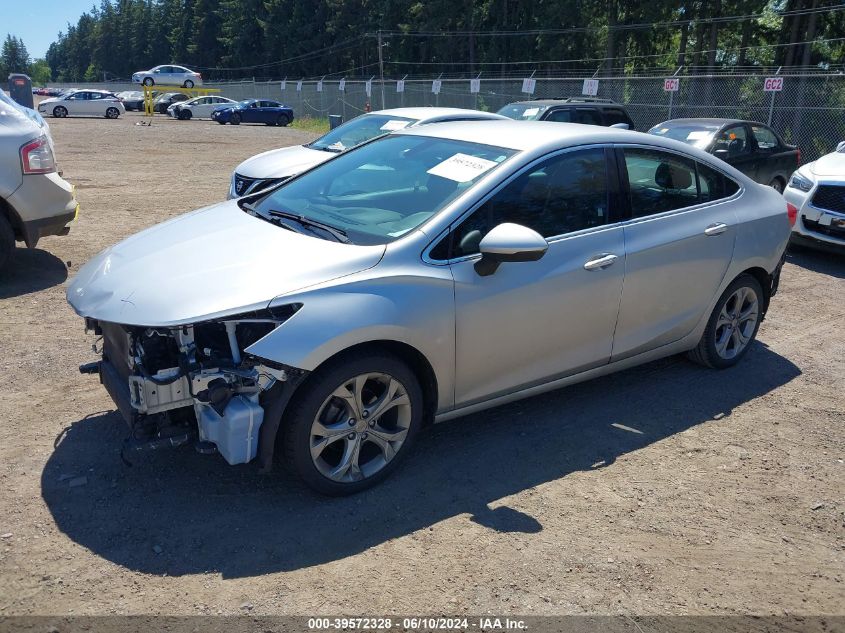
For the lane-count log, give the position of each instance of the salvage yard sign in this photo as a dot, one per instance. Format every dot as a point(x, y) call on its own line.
point(773, 84)
point(590, 88)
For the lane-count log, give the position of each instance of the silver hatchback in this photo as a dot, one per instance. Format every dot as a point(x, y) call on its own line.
point(422, 276)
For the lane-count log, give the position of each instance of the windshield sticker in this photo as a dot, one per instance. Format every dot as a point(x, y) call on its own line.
point(394, 124)
point(462, 167)
point(697, 135)
point(530, 112)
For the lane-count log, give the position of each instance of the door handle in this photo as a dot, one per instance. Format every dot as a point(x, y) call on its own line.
point(602, 261)
point(716, 229)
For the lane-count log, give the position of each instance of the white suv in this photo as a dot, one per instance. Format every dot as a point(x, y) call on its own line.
point(34, 200)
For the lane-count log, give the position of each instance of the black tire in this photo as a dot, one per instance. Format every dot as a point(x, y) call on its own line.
point(7, 242)
point(705, 352)
point(188, 84)
point(112, 113)
point(777, 184)
point(148, 81)
point(283, 120)
point(222, 122)
point(184, 115)
point(235, 119)
point(308, 401)
point(60, 112)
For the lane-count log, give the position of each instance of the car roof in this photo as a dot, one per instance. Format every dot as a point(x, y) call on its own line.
point(570, 101)
point(707, 121)
point(426, 113)
point(540, 135)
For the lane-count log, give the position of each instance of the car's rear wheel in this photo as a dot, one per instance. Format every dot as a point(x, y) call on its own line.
point(283, 120)
point(352, 423)
point(188, 84)
point(7, 242)
point(112, 113)
point(777, 185)
point(732, 326)
point(235, 119)
point(148, 81)
point(60, 112)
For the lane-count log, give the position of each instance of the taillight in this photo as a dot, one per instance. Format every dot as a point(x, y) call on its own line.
point(791, 213)
point(37, 157)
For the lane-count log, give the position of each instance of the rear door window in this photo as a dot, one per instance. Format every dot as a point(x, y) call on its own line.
point(590, 116)
point(734, 140)
point(613, 116)
point(561, 115)
point(766, 139)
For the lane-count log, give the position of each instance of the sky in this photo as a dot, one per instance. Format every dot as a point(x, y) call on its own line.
point(37, 22)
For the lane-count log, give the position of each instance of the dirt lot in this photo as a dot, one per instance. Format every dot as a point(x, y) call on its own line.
point(666, 489)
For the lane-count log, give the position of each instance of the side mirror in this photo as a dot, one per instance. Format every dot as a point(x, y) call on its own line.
point(841, 146)
point(509, 243)
point(621, 126)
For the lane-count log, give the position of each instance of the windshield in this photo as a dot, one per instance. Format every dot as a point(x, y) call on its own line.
point(359, 130)
point(523, 111)
point(382, 190)
point(245, 102)
point(694, 134)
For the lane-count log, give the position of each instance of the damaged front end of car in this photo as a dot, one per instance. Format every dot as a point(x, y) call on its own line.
point(197, 383)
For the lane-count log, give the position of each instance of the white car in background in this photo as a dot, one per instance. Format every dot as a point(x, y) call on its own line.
point(269, 168)
point(168, 75)
point(83, 103)
point(198, 107)
point(817, 191)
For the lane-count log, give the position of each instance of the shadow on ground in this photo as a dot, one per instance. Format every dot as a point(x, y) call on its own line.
point(208, 516)
point(827, 260)
point(31, 270)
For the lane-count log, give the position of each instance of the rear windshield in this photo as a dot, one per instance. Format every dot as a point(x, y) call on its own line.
point(523, 111)
point(359, 130)
point(694, 134)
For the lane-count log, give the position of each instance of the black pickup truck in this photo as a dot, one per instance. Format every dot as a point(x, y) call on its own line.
point(753, 148)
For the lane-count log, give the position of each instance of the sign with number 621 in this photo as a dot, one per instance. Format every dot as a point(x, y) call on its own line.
point(773, 84)
point(673, 84)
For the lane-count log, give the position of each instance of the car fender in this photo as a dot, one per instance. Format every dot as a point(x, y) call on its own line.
point(414, 310)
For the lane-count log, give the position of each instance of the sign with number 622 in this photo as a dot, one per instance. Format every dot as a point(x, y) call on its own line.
point(773, 84)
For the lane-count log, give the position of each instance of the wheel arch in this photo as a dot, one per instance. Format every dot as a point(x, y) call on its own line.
point(766, 283)
point(12, 217)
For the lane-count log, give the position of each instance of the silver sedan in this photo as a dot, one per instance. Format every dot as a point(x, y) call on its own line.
point(424, 275)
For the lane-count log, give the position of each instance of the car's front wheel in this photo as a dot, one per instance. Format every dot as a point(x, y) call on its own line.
point(235, 119)
point(732, 326)
point(352, 423)
point(60, 112)
point(184, 115)
point(148, 81)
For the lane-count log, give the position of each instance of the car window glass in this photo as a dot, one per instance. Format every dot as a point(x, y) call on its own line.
point(734, 140)
point(659, 181)
point(563, 194)
point(563, 115)
point(614, 116)
point(588, 116)
point(79, 96)
point(386, 188)
point(713, 185)
point(96, 95)
point(765, 138)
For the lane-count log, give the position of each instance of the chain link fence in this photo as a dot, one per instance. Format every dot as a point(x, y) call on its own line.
point(809, 111)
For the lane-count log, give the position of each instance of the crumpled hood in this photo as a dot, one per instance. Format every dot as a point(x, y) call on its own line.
point(830, 165)
point(282, 163)
point(213, 262)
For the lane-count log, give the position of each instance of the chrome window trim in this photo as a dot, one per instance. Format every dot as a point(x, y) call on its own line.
point(426, 254)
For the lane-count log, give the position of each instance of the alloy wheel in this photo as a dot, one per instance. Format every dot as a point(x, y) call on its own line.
point(737, 322)
point(360, 427)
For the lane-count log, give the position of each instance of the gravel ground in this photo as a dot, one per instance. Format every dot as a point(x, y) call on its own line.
point(667, 489)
